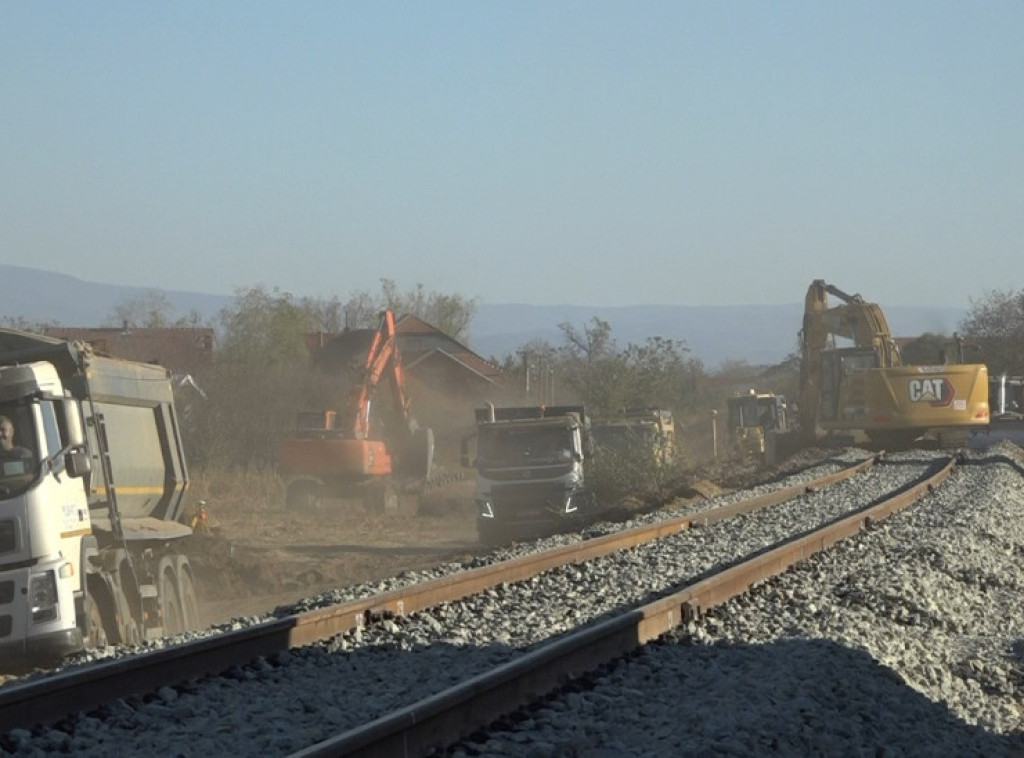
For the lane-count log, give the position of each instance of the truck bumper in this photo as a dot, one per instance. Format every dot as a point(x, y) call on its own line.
point(44, 647)
point(499, 519)
point(55, 633)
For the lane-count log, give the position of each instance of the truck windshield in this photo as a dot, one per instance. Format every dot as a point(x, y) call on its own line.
point(19, 451)
point(518, 446)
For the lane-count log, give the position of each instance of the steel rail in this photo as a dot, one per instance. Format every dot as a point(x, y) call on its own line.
point(454, 713)
point(52, 697)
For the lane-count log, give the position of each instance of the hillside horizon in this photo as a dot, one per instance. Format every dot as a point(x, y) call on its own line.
point(757, 334)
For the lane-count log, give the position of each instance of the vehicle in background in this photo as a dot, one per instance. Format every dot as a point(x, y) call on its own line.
point(1006, 396)
point(755, 421)
point(531, 469)
point(90, 502)
point(650, 432)
point(352, 450)
point(867, 389)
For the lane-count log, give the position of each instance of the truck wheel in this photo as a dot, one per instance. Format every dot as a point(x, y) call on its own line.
point(170, 605)
point(191, 616)
point(97, 636)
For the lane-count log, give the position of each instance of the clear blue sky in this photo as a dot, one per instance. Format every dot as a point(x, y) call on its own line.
point(589, 153)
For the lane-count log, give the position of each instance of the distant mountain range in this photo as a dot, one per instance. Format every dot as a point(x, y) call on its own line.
point(758, 334)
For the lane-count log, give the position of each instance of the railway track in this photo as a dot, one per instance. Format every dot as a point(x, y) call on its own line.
point(445, 717)
point(367, 641)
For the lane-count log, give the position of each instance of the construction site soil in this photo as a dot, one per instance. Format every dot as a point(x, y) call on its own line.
point(251, 560)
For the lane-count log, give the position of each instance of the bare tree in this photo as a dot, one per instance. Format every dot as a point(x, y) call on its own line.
point(995, 325)
point(451, 313)
point(328, 314)
point(26, 325)
point(262, 374)
point(606, 378)
point(150, 310)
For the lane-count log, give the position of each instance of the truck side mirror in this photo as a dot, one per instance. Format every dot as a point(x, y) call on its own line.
point(77, 463)
point(73, 423)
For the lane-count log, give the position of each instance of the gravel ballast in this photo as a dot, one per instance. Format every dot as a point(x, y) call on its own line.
point(277, 706)
point(905, 640)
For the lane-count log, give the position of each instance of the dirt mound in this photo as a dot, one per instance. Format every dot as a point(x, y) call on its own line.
point(224, 570)
point(701, 488)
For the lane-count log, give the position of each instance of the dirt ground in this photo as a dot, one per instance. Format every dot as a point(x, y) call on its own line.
point(258, 556)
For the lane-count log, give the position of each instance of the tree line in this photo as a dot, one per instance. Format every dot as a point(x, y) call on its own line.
point(262, 376)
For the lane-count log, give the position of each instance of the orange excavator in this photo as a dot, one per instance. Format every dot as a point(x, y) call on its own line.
point(352, 451)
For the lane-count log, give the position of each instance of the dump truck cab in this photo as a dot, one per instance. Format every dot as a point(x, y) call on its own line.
point(531, 465)
point(91, 492)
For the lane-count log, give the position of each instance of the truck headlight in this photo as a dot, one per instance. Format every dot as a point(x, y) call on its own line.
point(42, 590)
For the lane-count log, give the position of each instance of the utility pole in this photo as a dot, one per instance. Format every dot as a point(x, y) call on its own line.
point(526, 374)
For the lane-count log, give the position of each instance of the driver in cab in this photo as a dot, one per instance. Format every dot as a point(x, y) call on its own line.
point(9, 451)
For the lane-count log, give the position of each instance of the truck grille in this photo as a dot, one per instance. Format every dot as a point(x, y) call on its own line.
point(8, 537)
point(520, 473)
point(528, 500)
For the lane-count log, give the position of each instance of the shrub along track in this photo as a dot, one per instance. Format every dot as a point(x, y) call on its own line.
point(380, 662)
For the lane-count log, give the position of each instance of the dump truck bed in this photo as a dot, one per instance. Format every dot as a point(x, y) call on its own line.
point(135, 403)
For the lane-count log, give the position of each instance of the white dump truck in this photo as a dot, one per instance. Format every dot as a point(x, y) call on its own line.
point(91, 492)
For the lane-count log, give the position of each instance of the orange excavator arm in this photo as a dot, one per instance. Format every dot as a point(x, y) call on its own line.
point(383, 355)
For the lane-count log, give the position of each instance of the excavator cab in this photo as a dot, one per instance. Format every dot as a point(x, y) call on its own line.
point(838, 367)
point(316, 424)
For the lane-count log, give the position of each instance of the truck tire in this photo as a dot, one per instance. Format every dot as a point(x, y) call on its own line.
point(97, 633)
point(190, 613)
point(170, 604)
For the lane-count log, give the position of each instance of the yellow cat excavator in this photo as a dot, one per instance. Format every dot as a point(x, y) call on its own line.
point(866, 387)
